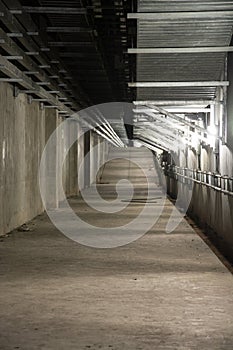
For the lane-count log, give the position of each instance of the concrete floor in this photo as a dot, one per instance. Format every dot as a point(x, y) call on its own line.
point(163, 291)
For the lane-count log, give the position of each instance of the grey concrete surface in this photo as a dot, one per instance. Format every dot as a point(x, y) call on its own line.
point(212, 210)
point(24, 131)
point(22, 138)
point(164, 291)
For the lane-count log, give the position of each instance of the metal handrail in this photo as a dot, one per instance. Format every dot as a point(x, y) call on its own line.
point(220, 183)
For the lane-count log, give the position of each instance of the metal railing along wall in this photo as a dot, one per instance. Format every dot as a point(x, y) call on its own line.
point(221, 183)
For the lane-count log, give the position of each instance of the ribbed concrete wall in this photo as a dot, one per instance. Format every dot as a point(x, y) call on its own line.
point(212, 209)
point(209, 207)
point(22, 139)
point(24, 131)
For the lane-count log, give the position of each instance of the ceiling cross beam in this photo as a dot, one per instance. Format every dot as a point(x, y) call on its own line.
point(177, 118)
point(68, 30)
point(158, 16)
point(178, 84)
point(54, 10)
point(18, 76)
point(171, 50)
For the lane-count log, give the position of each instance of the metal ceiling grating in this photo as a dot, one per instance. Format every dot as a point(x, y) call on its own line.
point(181, 5)
point(176, 33)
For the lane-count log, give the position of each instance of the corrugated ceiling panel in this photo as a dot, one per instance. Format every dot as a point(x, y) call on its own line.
point(181, 33)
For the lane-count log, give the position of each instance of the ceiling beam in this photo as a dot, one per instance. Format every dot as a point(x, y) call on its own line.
point(161, 128)
point(18, 76)
point(77, 54)
point(185, 110)
point(180, 50)
point(70, 43)
point(177, 118)
point(31, 68)
point(178, 84)
point(55, 10)
point(142, 135)
point(175, 102)
point(170, 123)
point(68, 30)
point(179, 15)
point(26, 27)
point(148, 131)
point(147, 144)
point(188, 110)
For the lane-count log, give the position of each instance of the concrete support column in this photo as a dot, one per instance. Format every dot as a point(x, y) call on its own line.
point(192, 159)
point(81, 183)
point(226, 150)
point(72, 161)
point(99, 159)
point(22, 139)
point(102, 153)
point(93, 158)
point(87, 159)
point(51, 123)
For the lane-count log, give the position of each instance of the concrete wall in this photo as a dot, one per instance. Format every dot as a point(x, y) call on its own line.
point(24, 131)
point(210, 208)
point(98, 154)
point(22, 139)
point(226, 151)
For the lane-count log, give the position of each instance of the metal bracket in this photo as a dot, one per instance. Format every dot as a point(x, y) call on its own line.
point(15, 35)
point(29, 98)
point(16, 12)
point(33, 33)
point(31, 72)
point(16, 58)
point(16, 91)
point(32, 53)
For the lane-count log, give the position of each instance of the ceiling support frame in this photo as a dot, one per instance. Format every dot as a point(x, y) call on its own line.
point(174, 50)
point(178, 84)
point(161, 16)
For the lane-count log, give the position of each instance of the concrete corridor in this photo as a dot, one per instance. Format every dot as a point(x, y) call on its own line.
point(163, 291)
